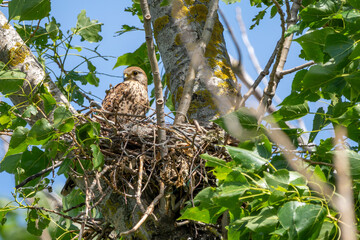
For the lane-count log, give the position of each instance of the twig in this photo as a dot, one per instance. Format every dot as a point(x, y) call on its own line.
point(196, 59)
point(238, 50)
point(344, 203)
point(44, 171)
point(148, 211)
point(284, 72)
point(160, 116)
point(139, 185)
point(260, 77)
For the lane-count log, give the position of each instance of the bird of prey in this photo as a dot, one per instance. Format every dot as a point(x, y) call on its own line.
point(125, 102)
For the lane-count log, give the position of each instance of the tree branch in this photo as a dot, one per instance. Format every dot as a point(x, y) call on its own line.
point(284, 46)
point(196, 59)
point(160, 116)
point(22, 59)
point(284, 72)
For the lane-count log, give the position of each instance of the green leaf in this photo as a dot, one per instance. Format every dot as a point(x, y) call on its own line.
point(33, 162)
point(319, 11)
point(92, 79)
point(297, 83)
point(87, 29)
point(213, 161)
point(88, 133)
point(264, 222)
point(52, 29)
point(40, 132)
point(126, 28)
point(30, 110)
point(308, 220)
point(319, 174)
point(303, 221)
point(338, 47)
point(37, 222)
point(29, 9)
point(98, 157)
point(355, 3)
point(63, 119)
point(10, 163)
point(135, 58)
point(319, 75)
point(291, 112)
point(243, 117)
point(18, 142)
point(205, 210)
point(353, 79)
point(313, 43)
point(248, 160)
point(318, 123)
point(356, 52)
point(49, 102)
point(11, 81)
point(354, 159)
point(60, 115)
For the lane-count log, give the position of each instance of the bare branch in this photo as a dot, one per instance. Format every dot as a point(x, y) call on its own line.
point(260, 77)
point(42, 172)
point(284, 46)
point(284, 72)
point(197, 57)
point(160, 116)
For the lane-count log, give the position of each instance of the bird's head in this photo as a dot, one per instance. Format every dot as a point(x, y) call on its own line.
point(135, 74)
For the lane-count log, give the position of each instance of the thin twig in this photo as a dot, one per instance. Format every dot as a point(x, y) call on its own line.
point(160, 116)
point(42, 172)
point(197, 59)
point(284, 72)
point(260, 77)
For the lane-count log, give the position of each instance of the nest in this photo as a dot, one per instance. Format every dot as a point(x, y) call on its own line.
point(158, 185)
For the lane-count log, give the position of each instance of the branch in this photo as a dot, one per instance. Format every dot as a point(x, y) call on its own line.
point(284, 72)
point(42, 172)
point(197, 57)
point(284, 46)
point(23, 60)
point(260, 77)
point(160, 116)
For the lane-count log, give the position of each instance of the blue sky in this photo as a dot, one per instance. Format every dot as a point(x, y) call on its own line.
point(110, 12)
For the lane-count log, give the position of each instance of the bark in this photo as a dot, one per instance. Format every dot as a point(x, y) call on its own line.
point(17, 56)
point(178, 29)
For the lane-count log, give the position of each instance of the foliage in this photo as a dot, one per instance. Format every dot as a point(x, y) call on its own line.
point(257, 190)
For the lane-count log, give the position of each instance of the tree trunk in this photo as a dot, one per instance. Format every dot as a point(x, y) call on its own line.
point(177, 29)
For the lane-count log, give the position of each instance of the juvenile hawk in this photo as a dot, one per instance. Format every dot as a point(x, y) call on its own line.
point(128, 98)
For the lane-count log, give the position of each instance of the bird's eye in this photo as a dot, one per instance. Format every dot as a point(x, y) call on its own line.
point(135, 73)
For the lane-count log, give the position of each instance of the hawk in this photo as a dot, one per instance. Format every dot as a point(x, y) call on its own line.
point(129, 99)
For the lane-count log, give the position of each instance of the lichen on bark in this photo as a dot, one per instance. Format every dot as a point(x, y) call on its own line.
point(177, 40)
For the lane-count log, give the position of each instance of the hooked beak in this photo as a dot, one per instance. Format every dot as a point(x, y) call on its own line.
point(126, 76)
